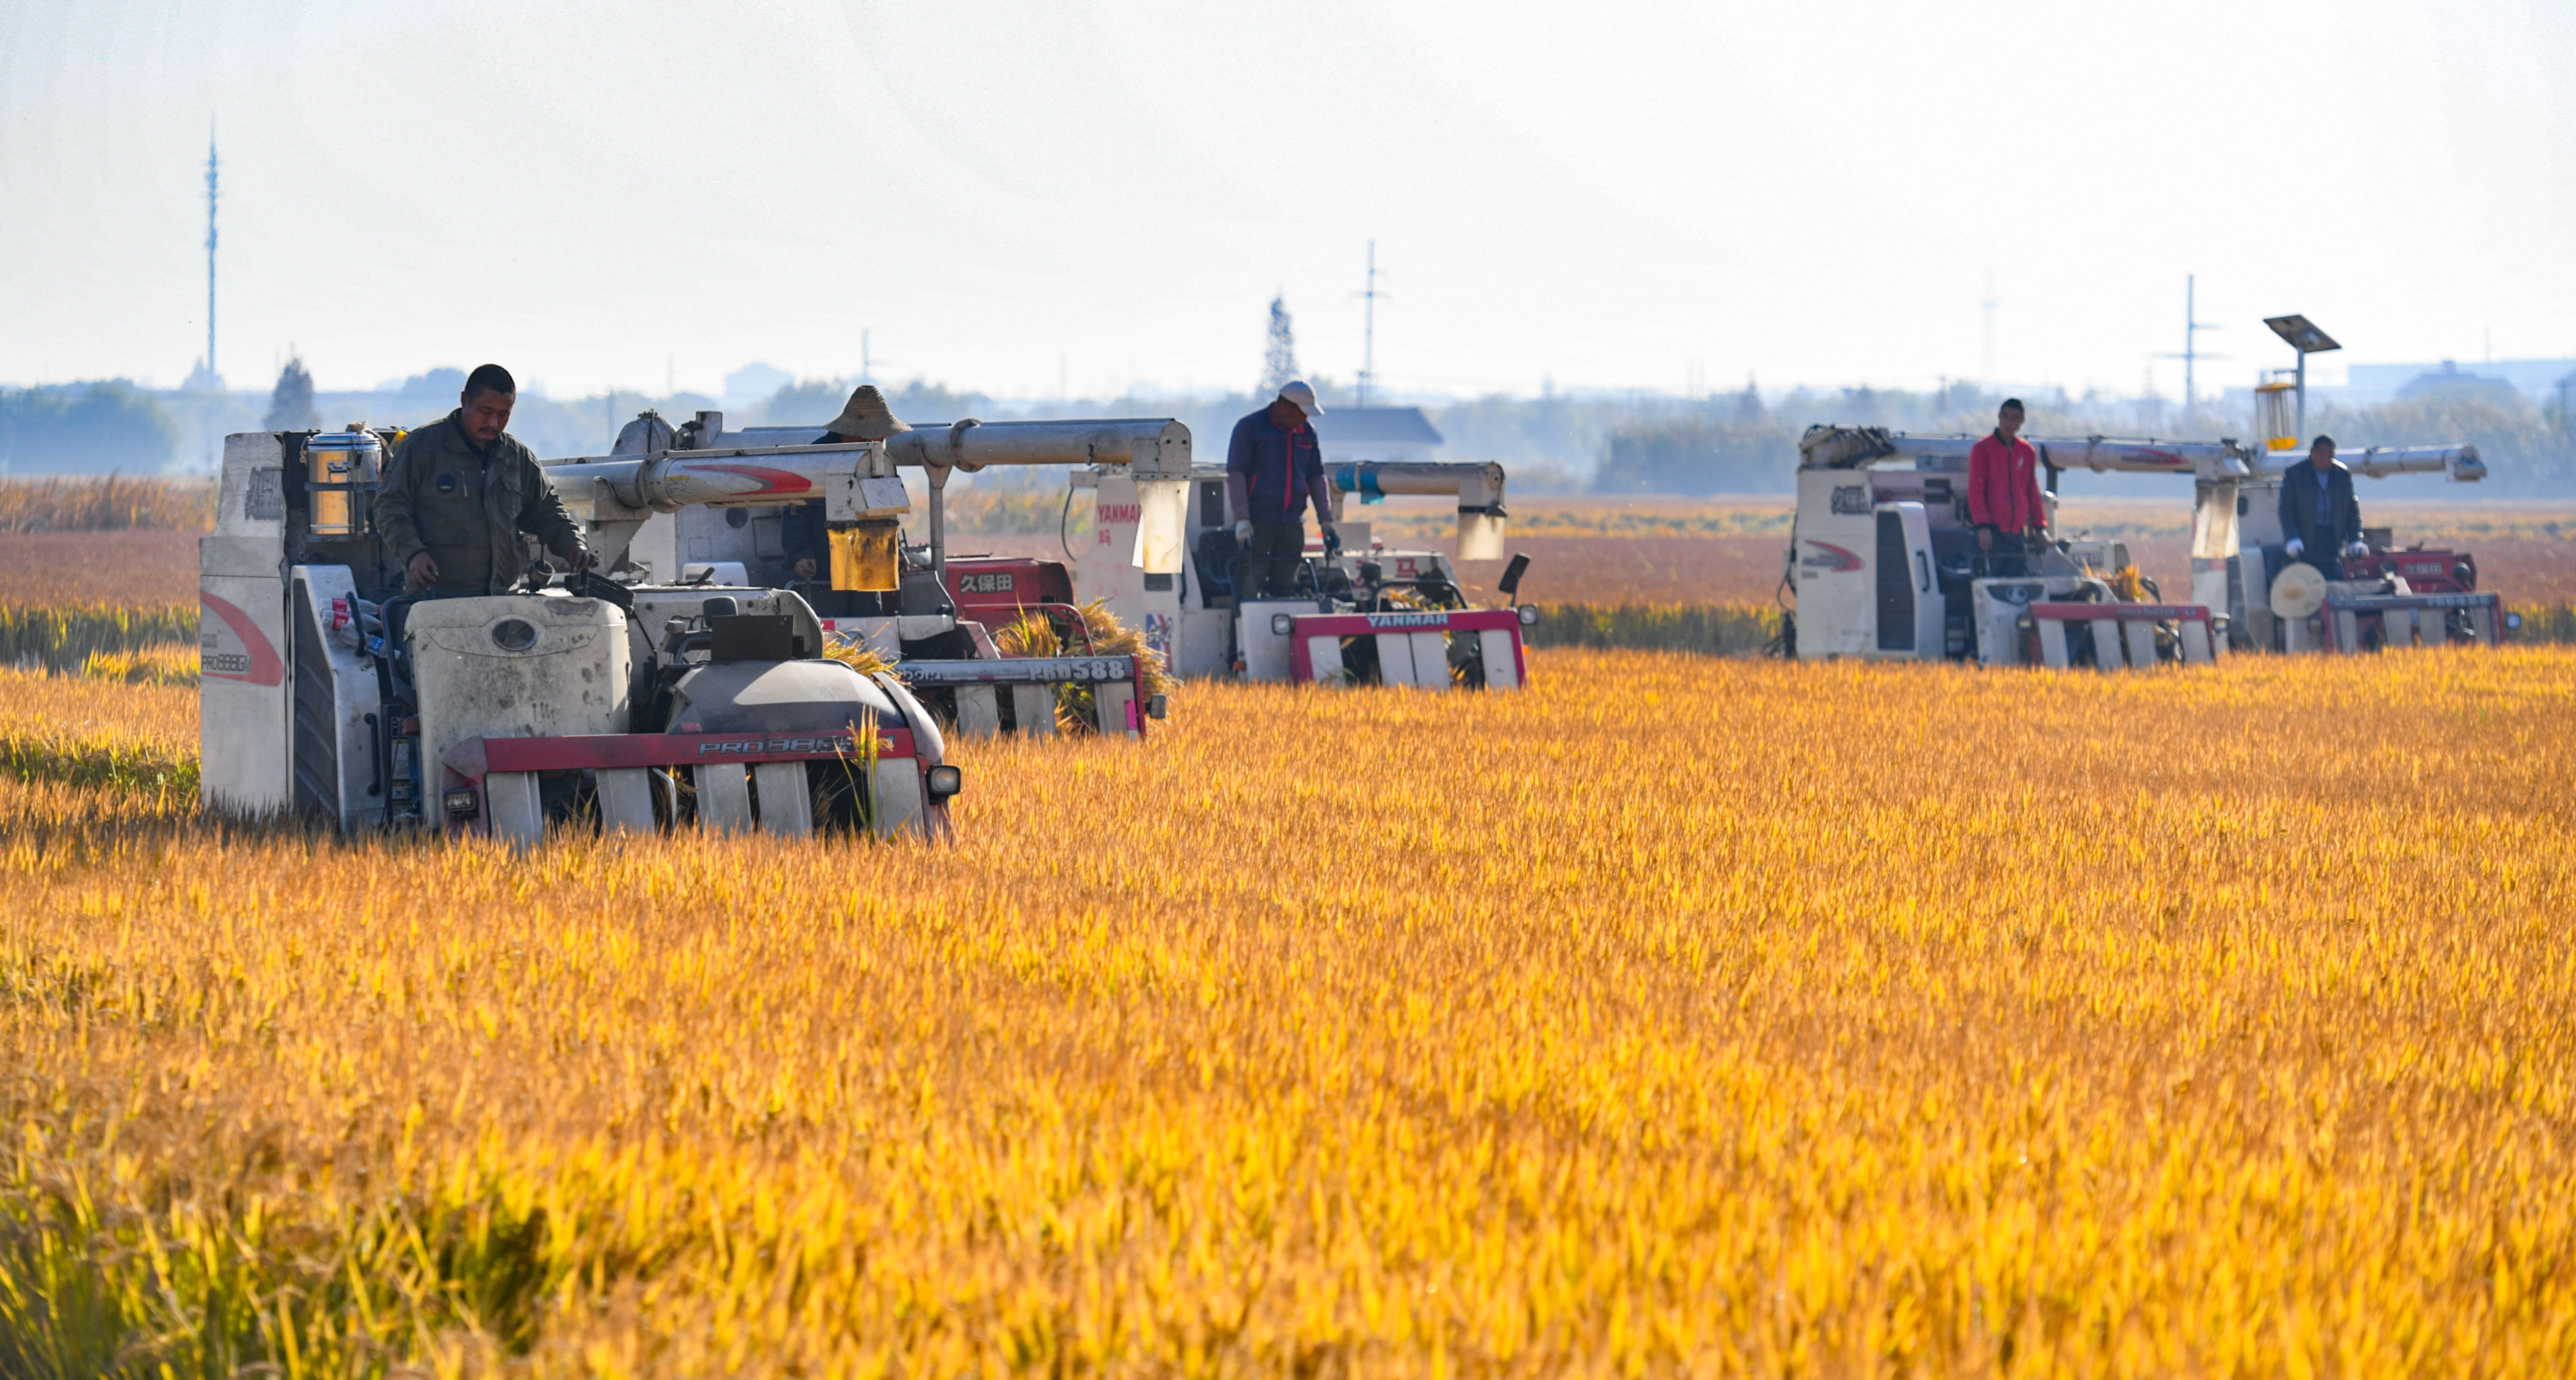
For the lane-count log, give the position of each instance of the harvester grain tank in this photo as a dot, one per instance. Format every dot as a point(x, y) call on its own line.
point(1883, 560)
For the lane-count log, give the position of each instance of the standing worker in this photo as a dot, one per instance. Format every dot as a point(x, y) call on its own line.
point(1273, 468)
point(459, 491)
point(2319, 515)
point(2003, 496)
point(804, 532)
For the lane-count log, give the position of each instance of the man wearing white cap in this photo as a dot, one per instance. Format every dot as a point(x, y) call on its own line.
point(1273, 469)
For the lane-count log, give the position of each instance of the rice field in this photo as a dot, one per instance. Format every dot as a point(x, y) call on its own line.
point(1681, 1015)
point(1678, 1016)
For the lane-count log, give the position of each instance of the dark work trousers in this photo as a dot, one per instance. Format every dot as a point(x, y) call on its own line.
point(2011, 559)
point(1267, 568)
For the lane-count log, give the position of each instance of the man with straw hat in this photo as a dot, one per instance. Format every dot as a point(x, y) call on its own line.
point(808, 543)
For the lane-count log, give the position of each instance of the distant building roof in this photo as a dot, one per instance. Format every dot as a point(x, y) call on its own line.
point(2449, 382)
point(1377, 426)
point(2536, 377)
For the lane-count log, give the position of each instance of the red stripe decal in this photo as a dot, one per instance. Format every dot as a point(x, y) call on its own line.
point(771, 481)
point(265, 666)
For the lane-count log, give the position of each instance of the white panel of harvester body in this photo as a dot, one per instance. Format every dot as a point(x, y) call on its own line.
point(1837, 533)
point(1324, 660)
point(1204, 645)
point(1431, 660)
point(515, 666)
point(335, 693)
point(1265, 653)
point(1419, 659)
point(656, 546)
point(241, 635)
point(1106, 569)
point(1908, 607)
point(1996, 608)
point(898, 797)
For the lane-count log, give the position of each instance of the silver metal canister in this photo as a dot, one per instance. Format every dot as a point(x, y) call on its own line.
point(340, 470)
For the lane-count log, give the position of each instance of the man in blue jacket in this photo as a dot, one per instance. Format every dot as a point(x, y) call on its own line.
point(2320, 519)
point(1273, 469)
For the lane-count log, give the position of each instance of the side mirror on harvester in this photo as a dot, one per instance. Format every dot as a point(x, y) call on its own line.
point(1510, 584)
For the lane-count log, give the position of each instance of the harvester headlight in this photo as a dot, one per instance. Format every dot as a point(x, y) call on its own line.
point(1529, 615)
point(943, 782)
point(514, 634)
point(461, 804)
point(2513, 622)
point(1281, 625)
point(1158, 706)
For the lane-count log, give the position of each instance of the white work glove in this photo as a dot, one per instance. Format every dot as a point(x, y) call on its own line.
point(1243, 533)
point(2297, 548)
point(2358, 548)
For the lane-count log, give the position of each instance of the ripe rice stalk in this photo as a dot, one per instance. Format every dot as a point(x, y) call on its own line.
point(1035, 634)
point(63, 638)
point(1708, 629)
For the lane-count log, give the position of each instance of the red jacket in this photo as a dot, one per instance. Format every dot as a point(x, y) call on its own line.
point(2003, 485)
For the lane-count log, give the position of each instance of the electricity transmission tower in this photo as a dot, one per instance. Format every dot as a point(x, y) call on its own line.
point(1368, 338)
point(1279, 356)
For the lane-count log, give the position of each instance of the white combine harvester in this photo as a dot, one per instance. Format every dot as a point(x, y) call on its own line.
point(1361, 614)
point(1884, 563)
point(627, 701)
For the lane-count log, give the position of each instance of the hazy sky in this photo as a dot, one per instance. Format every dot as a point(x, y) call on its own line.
point(1633, 195)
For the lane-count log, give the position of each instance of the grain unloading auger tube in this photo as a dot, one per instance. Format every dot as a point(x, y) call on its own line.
point(1359, 614)
point(330, 694)
point(1884, 563)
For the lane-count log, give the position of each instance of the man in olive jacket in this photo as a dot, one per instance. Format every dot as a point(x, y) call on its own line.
point(458, 493)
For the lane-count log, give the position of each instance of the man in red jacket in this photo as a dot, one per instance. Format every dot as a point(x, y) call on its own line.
point(2003, 495)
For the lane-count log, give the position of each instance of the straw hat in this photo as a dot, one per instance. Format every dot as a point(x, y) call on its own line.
point(866, 417)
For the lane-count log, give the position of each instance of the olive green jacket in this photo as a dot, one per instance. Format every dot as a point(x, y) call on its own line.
point(441, 497)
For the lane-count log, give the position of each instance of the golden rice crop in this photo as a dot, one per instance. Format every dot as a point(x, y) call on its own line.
point(104, 503)
point(138, 738)
point(1677, 1016)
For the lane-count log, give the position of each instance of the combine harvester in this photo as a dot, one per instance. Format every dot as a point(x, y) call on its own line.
point(330, 695)
point(1883, 562)
point(1362, 614)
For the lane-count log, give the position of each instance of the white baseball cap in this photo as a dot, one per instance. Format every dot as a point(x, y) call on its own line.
point(1296, 391)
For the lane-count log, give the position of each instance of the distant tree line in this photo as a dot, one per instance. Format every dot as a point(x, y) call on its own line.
point(1608, 443)
point(84, 428)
